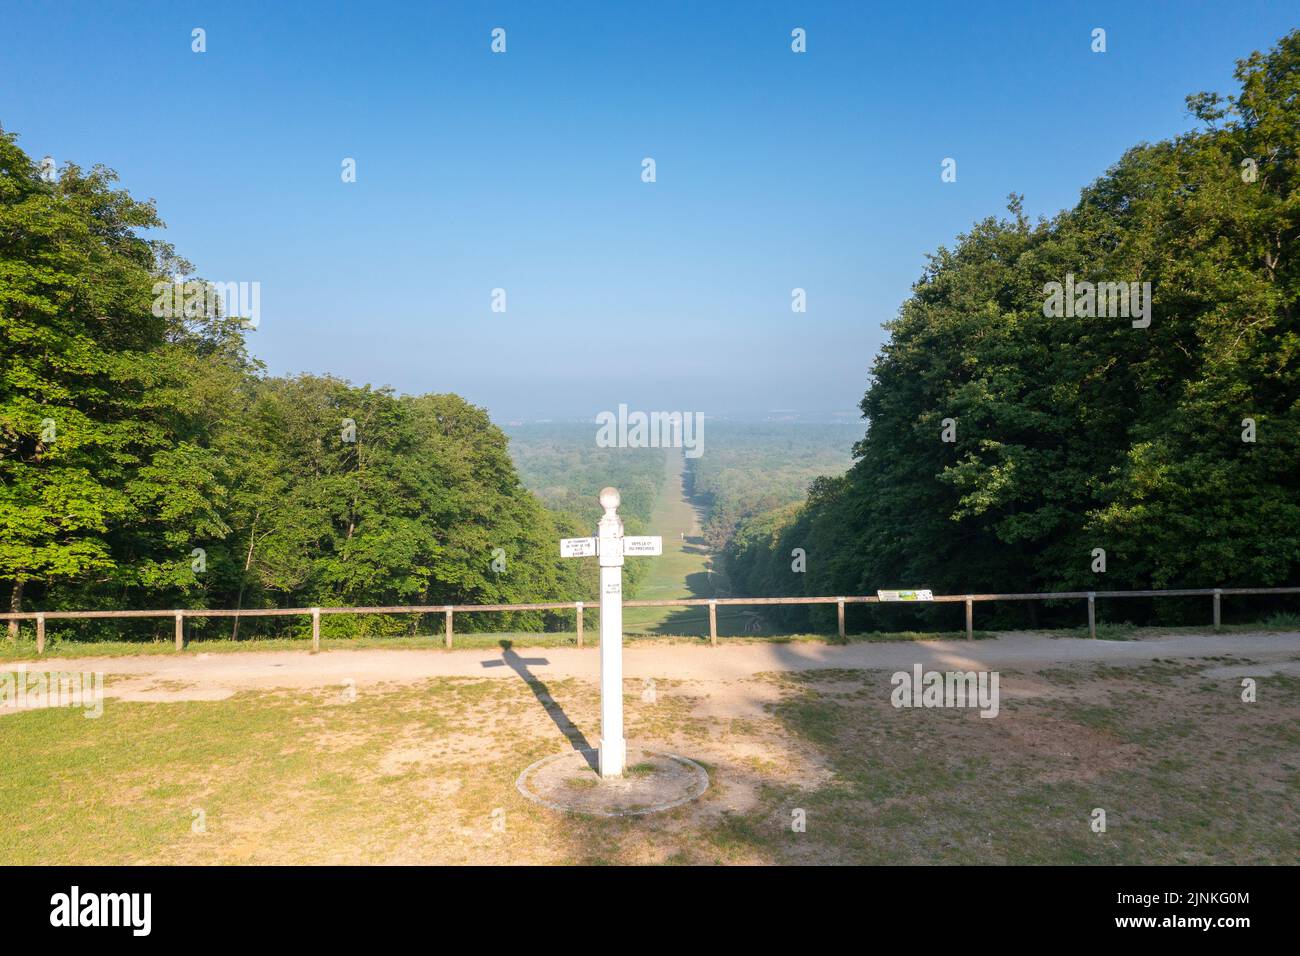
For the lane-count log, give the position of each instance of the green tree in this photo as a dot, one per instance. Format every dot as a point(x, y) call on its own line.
point(146, 461)
point(92, 401)
point(1074, 433)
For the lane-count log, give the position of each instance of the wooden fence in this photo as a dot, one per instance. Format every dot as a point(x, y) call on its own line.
point(450, 610)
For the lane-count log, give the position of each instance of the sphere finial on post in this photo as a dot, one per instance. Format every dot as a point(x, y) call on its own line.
point(609, 529)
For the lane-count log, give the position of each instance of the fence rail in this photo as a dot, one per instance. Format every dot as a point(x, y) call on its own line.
point(450, 610)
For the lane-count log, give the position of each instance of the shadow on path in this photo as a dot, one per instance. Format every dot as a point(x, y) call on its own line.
point(509, 658)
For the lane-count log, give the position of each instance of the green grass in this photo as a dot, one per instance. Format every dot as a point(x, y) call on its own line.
point(1127, 631)
point(25, 648)
point(1106, 631)
point(682, 571)
point(1186, 773)
point(1281, 621)
point(415, 773)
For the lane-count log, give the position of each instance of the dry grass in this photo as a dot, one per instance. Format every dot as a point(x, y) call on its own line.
point(424, 773)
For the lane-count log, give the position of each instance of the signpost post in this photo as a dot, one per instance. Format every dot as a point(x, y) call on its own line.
point(610, 547)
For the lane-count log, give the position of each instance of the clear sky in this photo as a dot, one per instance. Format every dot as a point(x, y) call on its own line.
point(522, 170)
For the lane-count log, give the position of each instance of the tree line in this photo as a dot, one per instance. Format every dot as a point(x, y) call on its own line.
point(146, 461)
point(753, 467)
point(1014, 445)
point(562, 464)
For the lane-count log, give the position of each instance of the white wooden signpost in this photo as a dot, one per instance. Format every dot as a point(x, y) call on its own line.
point(610, 547)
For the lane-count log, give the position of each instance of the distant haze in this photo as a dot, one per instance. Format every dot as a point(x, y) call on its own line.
point(522, 171)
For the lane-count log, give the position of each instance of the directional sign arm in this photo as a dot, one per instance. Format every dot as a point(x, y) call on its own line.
point(577, 547)
point(644, 545)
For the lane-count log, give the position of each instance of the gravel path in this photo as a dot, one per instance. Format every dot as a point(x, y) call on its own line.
point(216, 676)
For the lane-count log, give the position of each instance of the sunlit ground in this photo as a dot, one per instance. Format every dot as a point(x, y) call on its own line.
point(425, 773)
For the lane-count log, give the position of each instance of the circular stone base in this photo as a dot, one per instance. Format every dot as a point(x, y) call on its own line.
point(651, 782)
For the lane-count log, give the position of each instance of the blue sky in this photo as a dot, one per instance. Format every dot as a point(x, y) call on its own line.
point(522, 171)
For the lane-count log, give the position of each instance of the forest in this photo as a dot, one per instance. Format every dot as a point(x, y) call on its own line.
point(1014, 446)
point(147, 461)
point(752, 468)
point(561, 463)
point(1015, 441)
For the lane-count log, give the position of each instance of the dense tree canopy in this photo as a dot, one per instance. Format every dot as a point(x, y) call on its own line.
point(146, 461)
point(752, 468)
point(1077, 432)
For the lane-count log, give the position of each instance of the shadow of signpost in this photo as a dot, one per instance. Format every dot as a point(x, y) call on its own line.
point(509, 658)
point(694, 621)
point(690, 621)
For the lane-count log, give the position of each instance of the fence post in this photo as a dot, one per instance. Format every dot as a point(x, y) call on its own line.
point(315, 630)
point(579, 623)
point(447, 611)
point(180, 630)
point(40, 633)
point(970, 618)
point(840, 604)
point(1218, 593)
point(713, 623)
point(1092, 615)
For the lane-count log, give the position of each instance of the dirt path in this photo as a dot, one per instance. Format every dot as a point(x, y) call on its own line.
point(217, 676)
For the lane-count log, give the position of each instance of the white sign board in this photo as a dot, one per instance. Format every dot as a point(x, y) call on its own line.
point(643, 544)
point(905, 595)
point(577, 547)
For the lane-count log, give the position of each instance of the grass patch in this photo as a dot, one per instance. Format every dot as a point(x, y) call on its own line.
point(1281, 621)
point(425, 772)
point(1106, 631)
